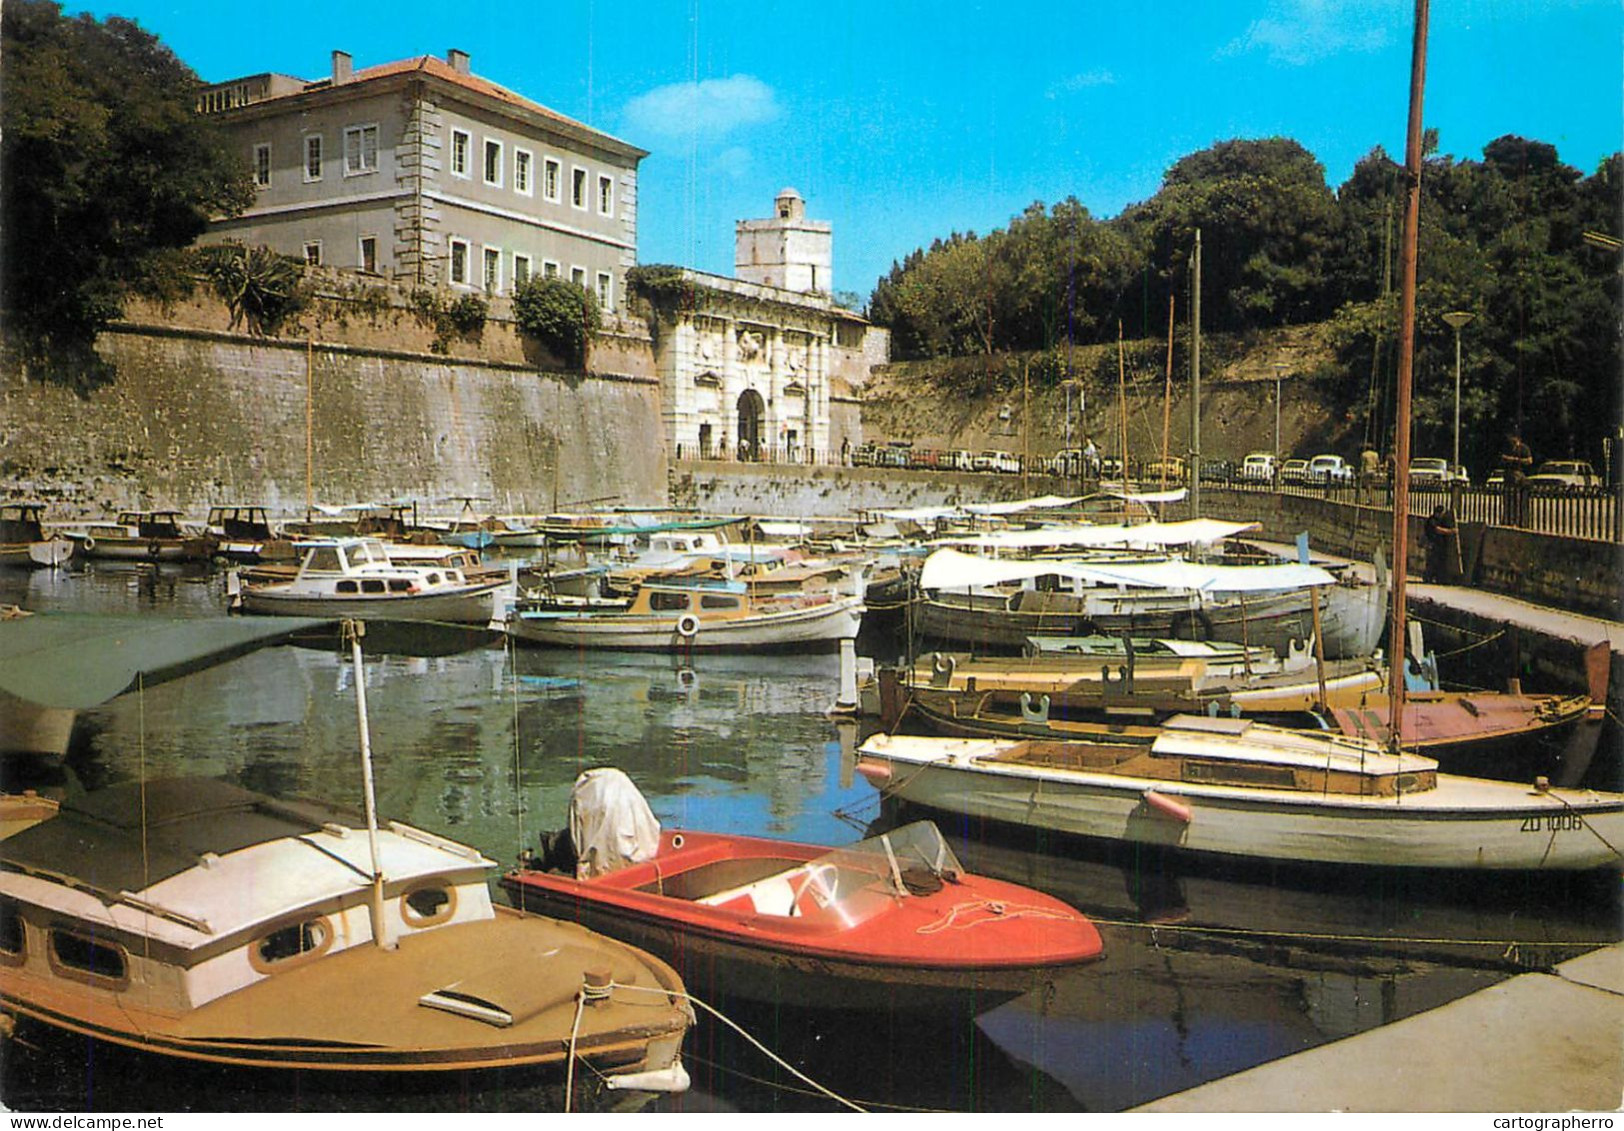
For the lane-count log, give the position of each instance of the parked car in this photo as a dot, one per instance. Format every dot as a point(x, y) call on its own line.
point(1558, 475)
point(1003, 462)
point(957, 460)
point(1217, 470)
point(1258, 467)
point(1426, 471)
point(866, 454)
point(1294, 471)
point(1173, 466)
point(1329, 470)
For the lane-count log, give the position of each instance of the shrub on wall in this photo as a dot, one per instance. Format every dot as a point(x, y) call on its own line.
point(462, 317)
point(561, 316)
point(259, 286)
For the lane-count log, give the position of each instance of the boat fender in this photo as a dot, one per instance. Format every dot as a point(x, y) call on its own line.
point(154, 548)
point(1167, 806)
point(687, 626)
point(877, 774)
point(90, 544)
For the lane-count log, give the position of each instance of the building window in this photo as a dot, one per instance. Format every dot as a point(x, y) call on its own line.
point(493, 270)
point(578, 187)
point(578, 276)
point(521, 269)
point(550, 173)
point(368, 257)
point(262, 164)
point(459, 262)
point(549, 269)
point(606, 195)
point(360, 150)
point(312, 157)
point(312, 253)
point(460, 142)
point(493, 162)
point(606, 290)
point(523, 160)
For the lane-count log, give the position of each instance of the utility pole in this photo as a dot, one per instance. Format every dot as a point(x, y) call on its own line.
point(1195, 378)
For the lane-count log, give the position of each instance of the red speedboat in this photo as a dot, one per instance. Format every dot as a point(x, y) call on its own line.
point(890, 923)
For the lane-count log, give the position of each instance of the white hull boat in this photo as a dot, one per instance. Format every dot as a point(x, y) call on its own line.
point(675, 618)
point(1236, 788)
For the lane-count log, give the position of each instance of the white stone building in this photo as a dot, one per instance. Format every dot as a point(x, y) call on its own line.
point(747, 366)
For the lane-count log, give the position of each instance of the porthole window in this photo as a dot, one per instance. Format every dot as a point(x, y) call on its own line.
point(290, 944)
point(399, 585)
point(346, 587)
point(12, 939)
point(80, 956)
point(426, 906)
point(372, 585)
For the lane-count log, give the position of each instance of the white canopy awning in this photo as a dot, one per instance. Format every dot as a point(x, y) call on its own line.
point(1015, 506)
point(950, 569)
point(1143, 535)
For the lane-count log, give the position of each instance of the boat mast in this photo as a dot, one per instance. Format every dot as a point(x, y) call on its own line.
point(1122, 417)
point(1167, 392)
point(1406, 366)
point(353, 631)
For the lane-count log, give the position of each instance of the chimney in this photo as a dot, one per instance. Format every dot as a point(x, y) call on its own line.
point(341, 67)
point(458, 60)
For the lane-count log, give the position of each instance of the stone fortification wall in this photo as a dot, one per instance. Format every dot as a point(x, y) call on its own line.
point(834, 492)
point(197, 417)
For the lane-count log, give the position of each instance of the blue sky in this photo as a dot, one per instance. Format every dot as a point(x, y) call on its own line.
point(900, 122)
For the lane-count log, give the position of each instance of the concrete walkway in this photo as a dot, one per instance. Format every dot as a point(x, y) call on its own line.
point(1535, 1043)
point(1496, 606)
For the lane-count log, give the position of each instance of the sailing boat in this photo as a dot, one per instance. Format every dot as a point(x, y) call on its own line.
point(1239, 788)
point(195, 920)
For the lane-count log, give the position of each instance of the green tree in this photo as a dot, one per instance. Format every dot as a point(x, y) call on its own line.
point(106, 163)
point(561, 316)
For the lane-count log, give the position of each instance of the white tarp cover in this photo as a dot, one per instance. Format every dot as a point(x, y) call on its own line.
point(1116, 492)
point(1143, 535)
point(1040, 502)
point(921, 514)
point(950, 569)
point(610, 823)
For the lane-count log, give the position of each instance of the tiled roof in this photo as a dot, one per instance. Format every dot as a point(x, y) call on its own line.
point(440, 69)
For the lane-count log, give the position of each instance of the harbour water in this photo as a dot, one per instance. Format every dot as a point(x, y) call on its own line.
point(1208, 970)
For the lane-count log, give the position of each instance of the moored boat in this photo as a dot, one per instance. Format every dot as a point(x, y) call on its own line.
point(147, 536)
point(1234, 787)
point(892, 922)
point(679, 618)
point(192, 919)
point(25, 542)
point(356, 577)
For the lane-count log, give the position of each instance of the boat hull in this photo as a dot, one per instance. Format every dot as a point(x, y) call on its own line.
point(821, 624)
point(965, 947)
point(288, 1022)
point(475, 605)
point(1464, 823)
point(1352, 618)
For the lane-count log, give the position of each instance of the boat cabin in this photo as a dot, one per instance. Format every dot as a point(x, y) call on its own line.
point(364, 566)
point(240, 522)
point(188, 890)
point(22, 522)
point(152, 524)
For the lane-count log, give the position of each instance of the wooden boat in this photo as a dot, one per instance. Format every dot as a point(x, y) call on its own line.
point(892, 922)
point(147, 536)
point(1002, 603)
point(356, 577)
point(680, 618)
point(248, 940)
point(25, 542)
point(1234, 787)
point(245, 534)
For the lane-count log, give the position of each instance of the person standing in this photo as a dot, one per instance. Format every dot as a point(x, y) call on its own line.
point(1443, 547)
point(1091, 458)
point(1515, 462)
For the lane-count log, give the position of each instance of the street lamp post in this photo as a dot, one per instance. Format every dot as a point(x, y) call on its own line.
point(1457, 319)
point(1279, 366)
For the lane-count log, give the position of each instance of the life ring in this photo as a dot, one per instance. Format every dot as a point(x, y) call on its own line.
point(154, 548)
point(687, 626)
point(89, 544)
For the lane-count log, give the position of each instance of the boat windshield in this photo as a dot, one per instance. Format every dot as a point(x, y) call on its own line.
point(861, 880)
